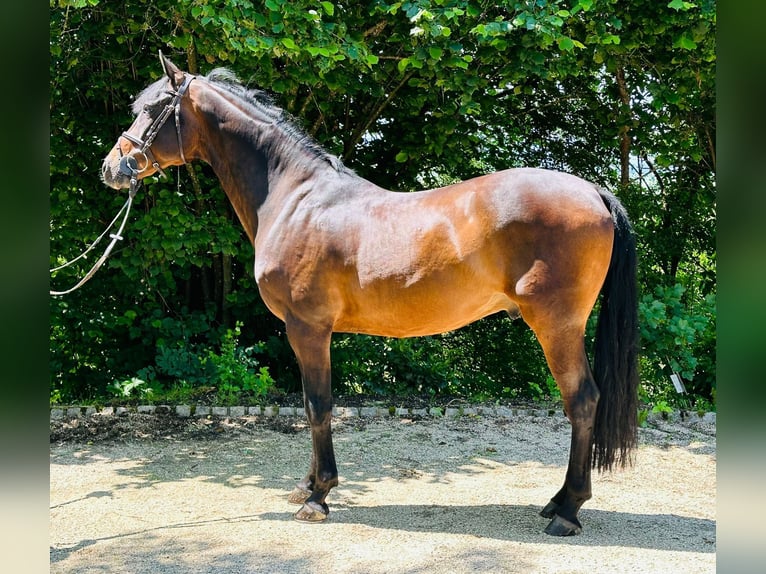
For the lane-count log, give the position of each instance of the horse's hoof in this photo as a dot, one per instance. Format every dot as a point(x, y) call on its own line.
point(312, 512)
point(298, 495)
point(550, 510)
point(562, 527)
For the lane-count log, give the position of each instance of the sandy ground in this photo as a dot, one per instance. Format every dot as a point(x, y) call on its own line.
point(416, 496)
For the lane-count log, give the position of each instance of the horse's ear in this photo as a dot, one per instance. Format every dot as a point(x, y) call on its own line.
point(171, 71)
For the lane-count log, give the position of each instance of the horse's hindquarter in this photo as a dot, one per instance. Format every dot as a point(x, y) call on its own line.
point(408, 264)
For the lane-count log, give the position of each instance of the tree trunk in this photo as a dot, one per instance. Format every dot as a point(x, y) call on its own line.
point(226, 289)
point(624, 117)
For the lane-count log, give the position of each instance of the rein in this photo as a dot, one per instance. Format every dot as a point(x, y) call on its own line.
point(115, 238)
point(129, 167)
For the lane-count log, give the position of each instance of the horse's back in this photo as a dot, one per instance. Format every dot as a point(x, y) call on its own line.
point(533, 195)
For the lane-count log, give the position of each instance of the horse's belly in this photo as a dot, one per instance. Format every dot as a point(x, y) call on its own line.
point(414, 316)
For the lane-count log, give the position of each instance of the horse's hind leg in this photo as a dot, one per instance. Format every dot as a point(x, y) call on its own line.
point(312, 349)
point(565, 353)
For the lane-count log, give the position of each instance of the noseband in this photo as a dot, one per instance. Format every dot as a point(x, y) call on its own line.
point(128, 163)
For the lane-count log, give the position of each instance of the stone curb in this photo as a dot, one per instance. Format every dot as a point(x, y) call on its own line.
point(185, 411)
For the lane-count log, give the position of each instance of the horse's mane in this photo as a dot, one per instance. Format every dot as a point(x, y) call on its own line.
point(264, 105)
point(263, 102)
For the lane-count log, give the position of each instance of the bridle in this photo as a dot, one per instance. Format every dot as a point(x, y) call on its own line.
point(129, 167)
point(129, 163)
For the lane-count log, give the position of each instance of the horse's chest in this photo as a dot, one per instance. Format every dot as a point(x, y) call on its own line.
point(282, 280)
point(262, 270)
point(271, 285)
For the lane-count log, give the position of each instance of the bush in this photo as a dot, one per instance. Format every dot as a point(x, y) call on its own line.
point(386, 366)
point(181, 371)
point(678, 335)
point(237, 371)
point(492, 358)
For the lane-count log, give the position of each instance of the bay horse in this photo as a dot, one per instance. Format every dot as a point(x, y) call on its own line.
point(336, 253)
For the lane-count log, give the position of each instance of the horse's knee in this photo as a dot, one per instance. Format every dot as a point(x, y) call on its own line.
point(318, 409)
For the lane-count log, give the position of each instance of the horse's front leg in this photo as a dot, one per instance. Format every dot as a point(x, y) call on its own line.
point(312, 349)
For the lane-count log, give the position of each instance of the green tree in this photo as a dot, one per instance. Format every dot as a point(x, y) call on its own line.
point(410, 94)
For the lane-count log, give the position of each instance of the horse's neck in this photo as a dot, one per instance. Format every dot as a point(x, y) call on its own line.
point(254, 172)
point(239, 177)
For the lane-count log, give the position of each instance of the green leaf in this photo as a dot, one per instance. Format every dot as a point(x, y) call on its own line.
point(435, 52)
point(457, 63)
point(681, 5)
point(566, 44)
point(289, 43)
point(402, 156)
point(329, 8)
point(685, 43)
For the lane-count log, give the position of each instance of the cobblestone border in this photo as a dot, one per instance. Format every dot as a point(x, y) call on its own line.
point(184, 411)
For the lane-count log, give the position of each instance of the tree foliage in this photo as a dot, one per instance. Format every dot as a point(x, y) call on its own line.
point(410, 94)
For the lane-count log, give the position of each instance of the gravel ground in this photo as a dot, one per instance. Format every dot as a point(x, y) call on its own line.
point(162, 495)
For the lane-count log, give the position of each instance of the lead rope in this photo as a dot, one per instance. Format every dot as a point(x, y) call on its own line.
point(134, 184)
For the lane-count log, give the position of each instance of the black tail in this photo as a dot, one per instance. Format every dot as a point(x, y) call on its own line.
point(615, 361)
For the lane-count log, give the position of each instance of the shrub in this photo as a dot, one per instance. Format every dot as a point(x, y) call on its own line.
point(234, 369)
point(677, 335)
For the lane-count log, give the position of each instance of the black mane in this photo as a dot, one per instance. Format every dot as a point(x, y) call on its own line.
point(264, 105)
point(261, 102)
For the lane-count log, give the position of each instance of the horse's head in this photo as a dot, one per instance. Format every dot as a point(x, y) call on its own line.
point(162, 134)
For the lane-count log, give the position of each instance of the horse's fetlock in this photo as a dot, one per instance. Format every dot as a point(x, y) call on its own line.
point(329, 479)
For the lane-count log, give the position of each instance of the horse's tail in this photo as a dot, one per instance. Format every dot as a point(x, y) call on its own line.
point(615, 361)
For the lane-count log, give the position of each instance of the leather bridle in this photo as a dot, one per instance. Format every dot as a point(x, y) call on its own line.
point(129, 167)
point(129, 163)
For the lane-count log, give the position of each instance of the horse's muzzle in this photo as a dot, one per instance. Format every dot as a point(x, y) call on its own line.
point(112, 173)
